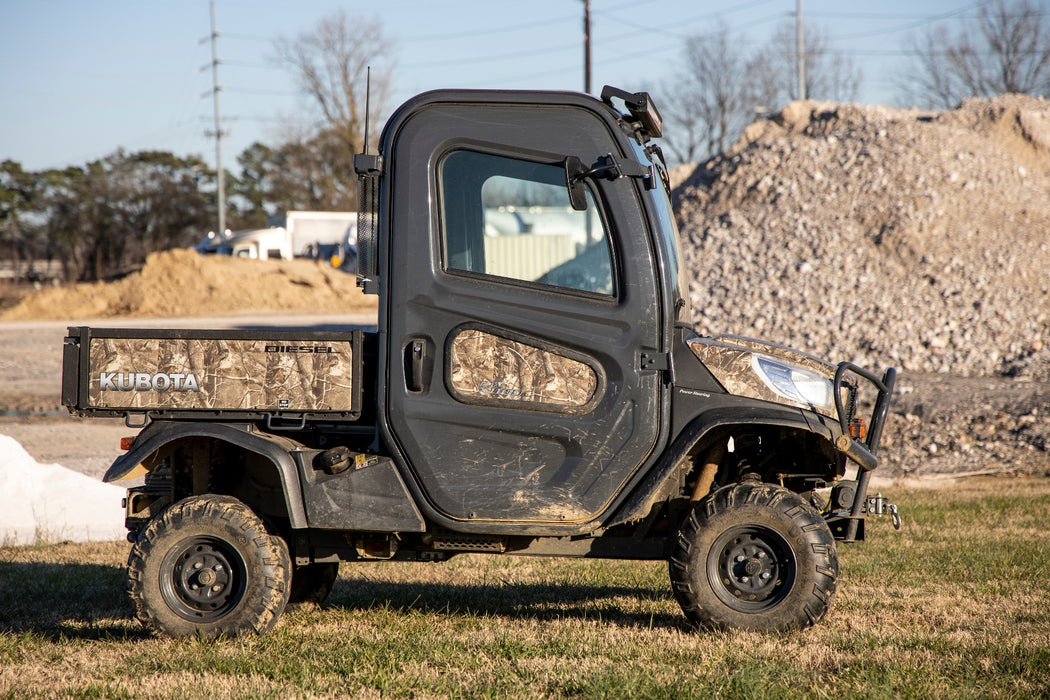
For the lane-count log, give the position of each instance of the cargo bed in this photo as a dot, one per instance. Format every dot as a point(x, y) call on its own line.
point(213, 374)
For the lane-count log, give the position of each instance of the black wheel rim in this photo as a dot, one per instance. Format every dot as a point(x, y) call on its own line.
point(751, 568)
point(203, 579)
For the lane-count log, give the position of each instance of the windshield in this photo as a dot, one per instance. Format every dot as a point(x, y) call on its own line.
point(667, 230)
point(669, 234)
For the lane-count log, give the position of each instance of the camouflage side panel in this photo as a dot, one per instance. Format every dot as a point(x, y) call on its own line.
point(486, 368)
point(212, 374)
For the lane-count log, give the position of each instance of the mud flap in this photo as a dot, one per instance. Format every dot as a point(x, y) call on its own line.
point(369, 496)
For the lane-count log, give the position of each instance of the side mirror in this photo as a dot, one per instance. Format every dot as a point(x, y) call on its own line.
point(574, 174)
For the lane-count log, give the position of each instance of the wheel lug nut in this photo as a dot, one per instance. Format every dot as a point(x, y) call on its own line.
point(740, 558)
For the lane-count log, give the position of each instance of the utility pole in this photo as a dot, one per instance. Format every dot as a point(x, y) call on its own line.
point(800, 51)
point(587, 46)
point(218, 133)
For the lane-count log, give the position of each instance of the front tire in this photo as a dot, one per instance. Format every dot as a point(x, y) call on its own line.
point(208, 567)
point(754, 556)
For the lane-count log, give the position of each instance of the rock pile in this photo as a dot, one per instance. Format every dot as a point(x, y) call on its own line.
point(943, 424)
point(883, 236)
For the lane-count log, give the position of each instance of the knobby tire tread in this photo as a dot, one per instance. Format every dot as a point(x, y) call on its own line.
point(802, 528)
point(267, 565)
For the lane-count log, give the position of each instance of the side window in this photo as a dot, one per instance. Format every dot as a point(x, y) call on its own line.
point(511, 218)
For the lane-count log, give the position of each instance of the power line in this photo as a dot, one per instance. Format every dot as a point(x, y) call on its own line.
point(891, 53)
point(246, 64)
point(613, 45)
point(665, 29)
point(930, 19)
point(248, 37)
point(496, 57)
point(512, 28)
point(262, 92)
point(495, 30)
point(888, 17)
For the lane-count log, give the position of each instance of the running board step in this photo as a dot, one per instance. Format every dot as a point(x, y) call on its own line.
point(460, 542)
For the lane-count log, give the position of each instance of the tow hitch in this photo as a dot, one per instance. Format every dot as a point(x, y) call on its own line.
point(877, 505)
point(847, 509)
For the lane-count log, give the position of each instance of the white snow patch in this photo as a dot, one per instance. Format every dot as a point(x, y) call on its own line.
point(48, 502)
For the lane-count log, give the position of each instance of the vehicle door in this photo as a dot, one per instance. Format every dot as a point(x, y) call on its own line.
point(514, 392)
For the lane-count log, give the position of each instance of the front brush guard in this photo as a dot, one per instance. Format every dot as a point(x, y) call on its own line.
point(848, 525)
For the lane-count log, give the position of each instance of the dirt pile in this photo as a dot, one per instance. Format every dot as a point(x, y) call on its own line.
point(881, 235)
point(941, 424)
point(894, 237)
point(183, 283)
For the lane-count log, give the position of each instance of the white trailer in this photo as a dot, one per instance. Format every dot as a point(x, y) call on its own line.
point(258, 243)
point(319, 235)
point(315, 234)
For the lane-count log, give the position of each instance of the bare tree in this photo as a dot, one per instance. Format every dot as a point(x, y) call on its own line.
point(721, 85)
point(1006, 49)
point(830, 75)
point(711, 99)
point(330, 63)
point(935, 83)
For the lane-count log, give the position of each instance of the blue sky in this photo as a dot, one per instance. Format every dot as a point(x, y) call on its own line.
point(81, 78)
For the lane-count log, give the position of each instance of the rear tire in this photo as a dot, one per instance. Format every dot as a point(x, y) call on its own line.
point(754, 556)
point(208, 567)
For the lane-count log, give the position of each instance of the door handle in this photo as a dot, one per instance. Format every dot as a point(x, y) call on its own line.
point(419, 364)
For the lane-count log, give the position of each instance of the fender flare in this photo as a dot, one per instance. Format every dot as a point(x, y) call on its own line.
point(276, 449)
point(638, 503)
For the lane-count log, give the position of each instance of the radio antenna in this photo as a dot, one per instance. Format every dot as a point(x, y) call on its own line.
point(368, 99)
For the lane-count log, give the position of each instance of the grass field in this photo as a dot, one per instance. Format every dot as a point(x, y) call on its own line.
point(956, 604)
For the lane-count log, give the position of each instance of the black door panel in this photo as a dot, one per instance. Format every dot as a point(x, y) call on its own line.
point(536, 410)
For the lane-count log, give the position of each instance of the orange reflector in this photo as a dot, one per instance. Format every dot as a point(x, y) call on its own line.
point(126, 443)
point(857, 429)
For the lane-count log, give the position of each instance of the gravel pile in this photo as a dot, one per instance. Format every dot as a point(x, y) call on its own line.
point(893, 237)
point(940, 424)
point(879, 235)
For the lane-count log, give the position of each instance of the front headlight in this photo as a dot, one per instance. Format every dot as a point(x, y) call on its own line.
point(794, 383)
